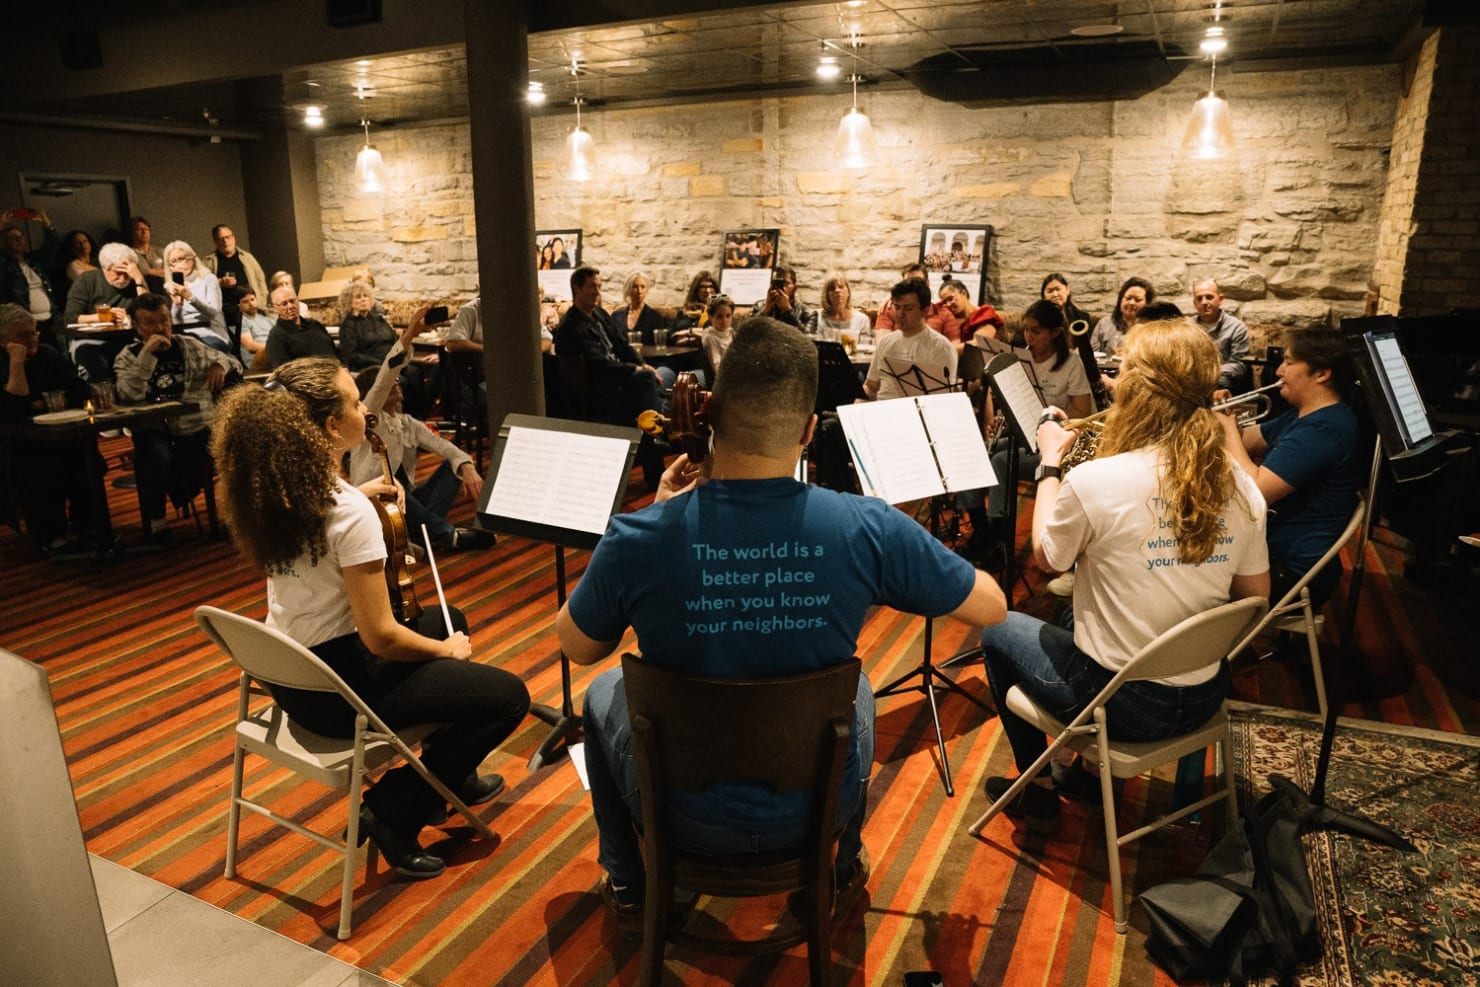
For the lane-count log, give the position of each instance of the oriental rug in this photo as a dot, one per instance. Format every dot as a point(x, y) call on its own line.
point(1385, 917)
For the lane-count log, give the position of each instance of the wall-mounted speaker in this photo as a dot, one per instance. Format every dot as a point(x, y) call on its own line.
point(351, 13)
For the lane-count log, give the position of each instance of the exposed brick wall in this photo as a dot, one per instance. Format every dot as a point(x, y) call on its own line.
point(1396, 226)
point(1098, 191)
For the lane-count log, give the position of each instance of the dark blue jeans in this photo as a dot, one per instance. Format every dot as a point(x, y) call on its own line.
point(429, 502)
point(1041, 658)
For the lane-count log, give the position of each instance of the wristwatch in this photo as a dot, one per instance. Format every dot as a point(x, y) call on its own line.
point(1044, 472)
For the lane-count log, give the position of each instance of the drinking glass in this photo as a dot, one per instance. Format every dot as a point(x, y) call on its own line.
point(635, 338)
point(660, 336)
point(104, 396)
point(105, 313)
point(55, 400)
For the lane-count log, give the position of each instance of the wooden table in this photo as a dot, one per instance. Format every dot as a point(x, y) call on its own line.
point(82, 431)
point(677, 357)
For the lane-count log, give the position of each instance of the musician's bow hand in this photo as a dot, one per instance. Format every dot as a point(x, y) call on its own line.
point(681, 476)
point(458, 646)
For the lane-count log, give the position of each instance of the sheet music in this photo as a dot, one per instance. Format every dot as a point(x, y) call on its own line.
point(564, 479)
point(891, 450)
point(1023, 400)
point(1406, 399)
point(959, 448)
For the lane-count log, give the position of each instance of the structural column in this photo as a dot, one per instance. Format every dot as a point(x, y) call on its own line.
point(503, 205)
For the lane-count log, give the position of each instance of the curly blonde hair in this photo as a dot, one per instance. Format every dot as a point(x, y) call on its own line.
point(1168, 370)
point(277, 465)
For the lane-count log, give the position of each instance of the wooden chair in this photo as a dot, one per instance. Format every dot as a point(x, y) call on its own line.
point(462, 402)
point(1192, 644)
point(267, 657)
point(1295, 614)
point(792, 734)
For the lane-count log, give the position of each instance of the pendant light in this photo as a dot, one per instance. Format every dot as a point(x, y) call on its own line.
point(369, 165)
point(854, 145)
point(580, 148)
point(1210, 131)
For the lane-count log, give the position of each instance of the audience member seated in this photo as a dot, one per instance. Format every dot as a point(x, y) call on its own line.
point(622, 385)
point(172, 458)
point(1308, 466)
point(1135, 294)
point(256, 325)
point(1228, 333)
point(650, 571)
point(196, 296)
point(149, 257)
point(238, 272)
point(365, 337)
point(278, 279)
point(1065, 386)
point(970, 317)
point(838, 315)
point(293, 336)
point(694, 314)
point(46, 477)
point(938, 316)
point(719, 311)
point(23, 278)
point(781, 302)
point(117, 281)
point(913, 344)
point(637, 315)
point(1162, 466)
point(405, 438)
point(74, 256)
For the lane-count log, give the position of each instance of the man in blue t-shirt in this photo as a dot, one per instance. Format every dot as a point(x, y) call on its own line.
point(748, 574)
point(1307, 461)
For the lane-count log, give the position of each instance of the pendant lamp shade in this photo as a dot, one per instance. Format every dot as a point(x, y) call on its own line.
point(580, 155)
point(1210, 131)
point(369, 170)
point(854, 146)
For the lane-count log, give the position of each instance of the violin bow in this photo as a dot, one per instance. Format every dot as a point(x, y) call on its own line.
point(426, 540)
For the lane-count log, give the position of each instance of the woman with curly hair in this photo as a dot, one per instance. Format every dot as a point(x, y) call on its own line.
point(1162, 525)
point(319, 542)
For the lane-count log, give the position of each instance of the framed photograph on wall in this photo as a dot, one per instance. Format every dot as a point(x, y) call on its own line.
point(556, 254)
point(957, 251)
point(745, 261)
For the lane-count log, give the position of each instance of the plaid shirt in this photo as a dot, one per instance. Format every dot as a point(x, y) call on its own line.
point(135, 371)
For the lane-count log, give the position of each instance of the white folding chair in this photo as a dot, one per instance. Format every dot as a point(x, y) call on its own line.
point(1195, 643)
point(1294, 612)
point(268, 657)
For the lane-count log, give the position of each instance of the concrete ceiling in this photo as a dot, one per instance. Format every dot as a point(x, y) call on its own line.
point(974, 52)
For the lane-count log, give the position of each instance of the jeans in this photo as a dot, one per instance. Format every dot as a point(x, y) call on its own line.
point(429, 502)
point(611, 767)
point(1041, 659)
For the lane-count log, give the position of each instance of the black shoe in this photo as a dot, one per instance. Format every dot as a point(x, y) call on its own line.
point(463, 539)
point(1034, 805)
point(625, 904)
point(163, 538)
point(1074, 781)
point(475, 791)
point(400, 850)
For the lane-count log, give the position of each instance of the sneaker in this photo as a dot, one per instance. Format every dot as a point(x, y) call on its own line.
point(463, 539)
point(1076, 782)
point(625, 904)
point(1062, 585)
point(1034, 805)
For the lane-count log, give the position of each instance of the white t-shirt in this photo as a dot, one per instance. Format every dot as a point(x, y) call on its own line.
point(1130, 585)
point(928, 350)
point(468, 324)
point(1062, 384)
point(310, 604)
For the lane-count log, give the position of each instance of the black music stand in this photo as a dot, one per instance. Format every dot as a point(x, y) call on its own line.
point(564, 503)
point(1018, 431)
point(931, 678)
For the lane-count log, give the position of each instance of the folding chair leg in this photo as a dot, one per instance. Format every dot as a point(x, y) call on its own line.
point(1228, 783)
point(1112, 837)
point(234, 814)
point(1313, 645)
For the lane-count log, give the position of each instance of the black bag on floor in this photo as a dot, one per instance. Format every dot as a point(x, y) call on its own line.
point(1249, 909)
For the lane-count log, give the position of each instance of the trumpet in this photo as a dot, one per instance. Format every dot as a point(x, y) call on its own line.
point(1257, 397)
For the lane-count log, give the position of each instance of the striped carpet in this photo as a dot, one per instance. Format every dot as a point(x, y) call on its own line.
point(146, 703)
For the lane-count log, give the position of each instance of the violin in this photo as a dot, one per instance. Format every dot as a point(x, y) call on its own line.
point(687, 421)
point(397, 544)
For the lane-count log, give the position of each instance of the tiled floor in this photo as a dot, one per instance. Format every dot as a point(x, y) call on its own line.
point(160, 936)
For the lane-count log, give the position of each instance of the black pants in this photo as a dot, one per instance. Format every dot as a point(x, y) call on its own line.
point(173, 465)
point(478, 706)
point(48, 478)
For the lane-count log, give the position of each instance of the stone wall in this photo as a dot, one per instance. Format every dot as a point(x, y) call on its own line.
point(1097, 191)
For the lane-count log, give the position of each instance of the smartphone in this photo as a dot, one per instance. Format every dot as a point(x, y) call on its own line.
point(22, 212)
point(436, 316)
point(778, 284)
point(178, 277)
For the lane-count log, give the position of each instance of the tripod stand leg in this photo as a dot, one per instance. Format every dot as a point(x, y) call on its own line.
point(563, 730)
point(940, 740)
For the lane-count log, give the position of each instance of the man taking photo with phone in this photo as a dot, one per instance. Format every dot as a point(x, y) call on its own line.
point(781, 302)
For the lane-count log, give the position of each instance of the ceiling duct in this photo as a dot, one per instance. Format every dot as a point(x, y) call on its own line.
point(983, 75)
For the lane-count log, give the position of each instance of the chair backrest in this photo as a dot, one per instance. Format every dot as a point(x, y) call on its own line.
point(772, 731)
point(1355, 522)
point(267, 655)
point(1196, 642)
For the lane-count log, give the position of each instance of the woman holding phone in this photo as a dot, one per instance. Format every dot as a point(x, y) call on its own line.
point(195, 297)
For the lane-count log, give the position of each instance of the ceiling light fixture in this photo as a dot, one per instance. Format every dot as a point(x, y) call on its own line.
point(580, 147)
point(313, 116)
point(1214, 42)
point(854, 146)
point(369, 165)
point(1210, 131)
point(828, 68)
point(536, 94)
